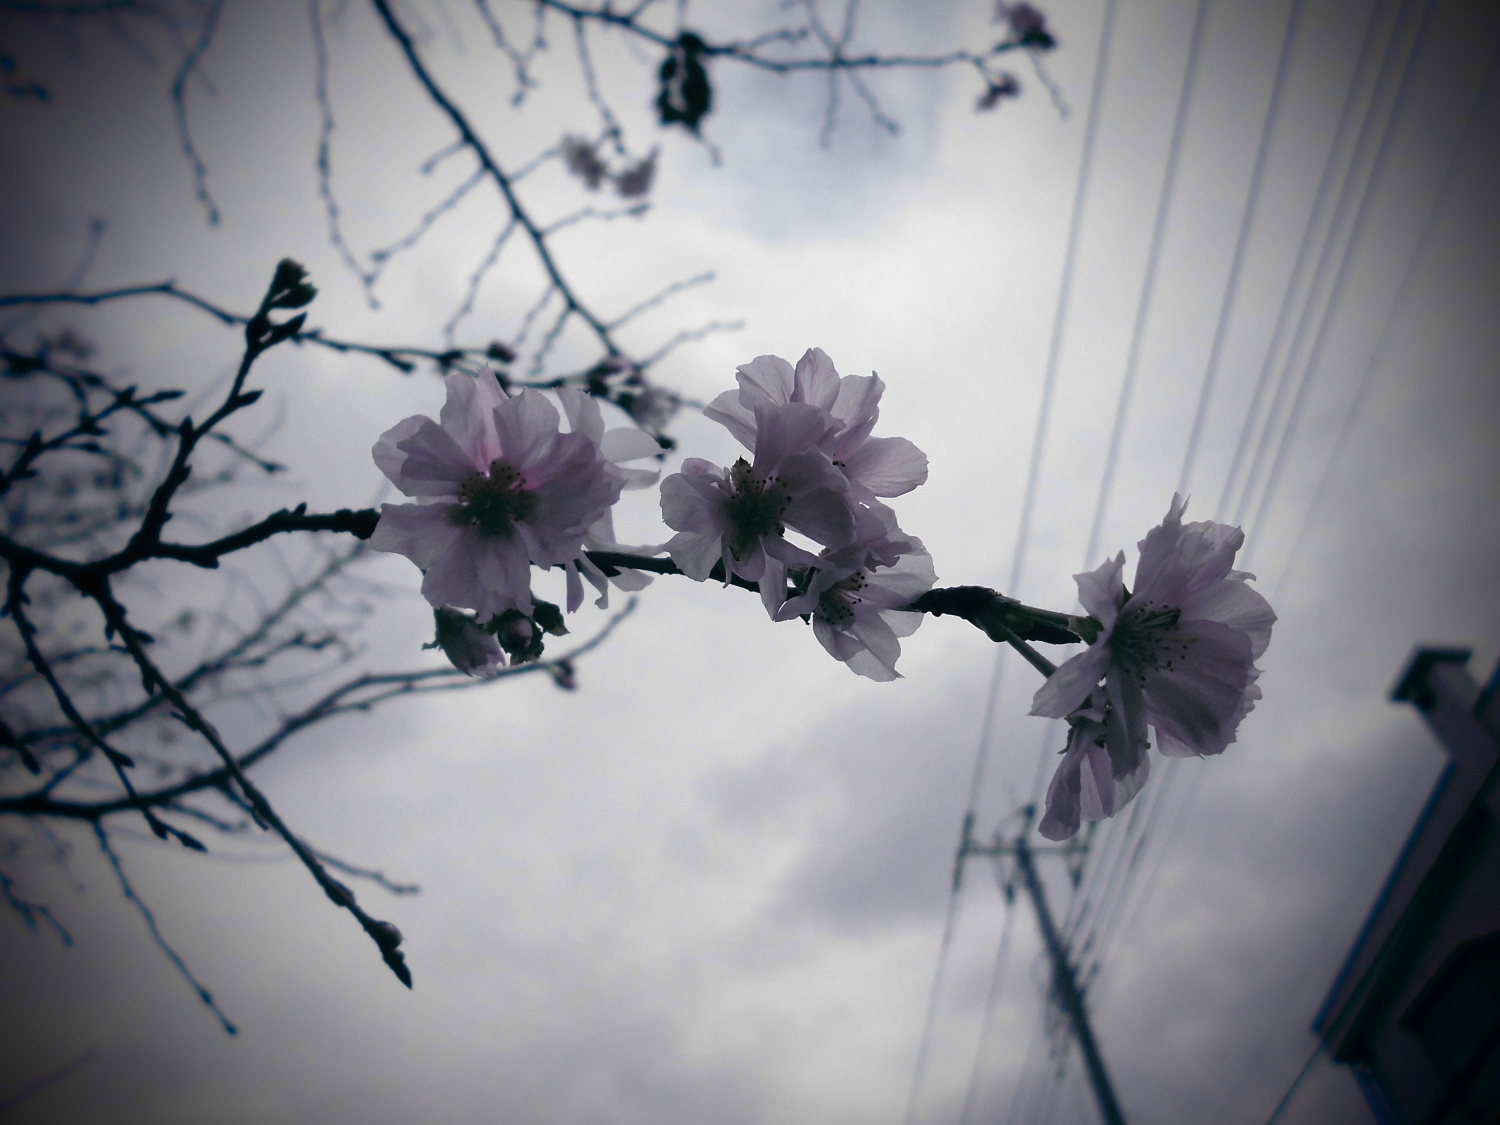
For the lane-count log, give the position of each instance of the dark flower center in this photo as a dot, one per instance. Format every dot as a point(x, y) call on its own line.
point(1146, 640)
point(755, 508)
point(492, 502)
point(836, 604)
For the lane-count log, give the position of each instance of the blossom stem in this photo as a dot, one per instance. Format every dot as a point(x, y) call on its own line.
point(1034, 658)
point(982, 607)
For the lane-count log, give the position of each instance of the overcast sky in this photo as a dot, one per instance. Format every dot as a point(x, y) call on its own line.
point(712, 883)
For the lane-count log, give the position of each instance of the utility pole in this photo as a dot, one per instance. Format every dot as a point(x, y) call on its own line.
point(1069, 995)
point(1065, 982)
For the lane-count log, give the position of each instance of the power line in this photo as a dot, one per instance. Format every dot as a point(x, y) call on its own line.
point(928, 1022)
point(1409, 272)
point(1106, 912)
point(1024, 530)
point(1242, 241)
point(1299, 265)
point(1104, 918)
point(1054, 346)
point(1143, 305)
point(1020, 1097)
point(1148, 286)
point(1341, 276)
point(1064, 296)
point(992, 999)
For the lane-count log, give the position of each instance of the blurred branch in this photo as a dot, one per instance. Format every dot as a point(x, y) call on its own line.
point(359, 693)
point(749, 51)
point(1002, 619)
point(398, 356)
point(572, 305)
point(128, 889)
point(179, 104)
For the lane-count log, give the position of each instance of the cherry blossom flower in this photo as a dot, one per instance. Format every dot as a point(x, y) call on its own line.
point(1177, 653)
point(856, 597)
point(739, 516)
point(872, 466)
point(499, 489)
point(1102, 768)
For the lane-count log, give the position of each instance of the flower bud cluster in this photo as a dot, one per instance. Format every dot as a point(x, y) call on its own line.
point(499, 488)
point(1175, 654)
point(814, 469)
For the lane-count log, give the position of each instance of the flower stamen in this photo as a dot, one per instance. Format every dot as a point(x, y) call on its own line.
point(491, 503)
point(1145, 639)
point(755, 508)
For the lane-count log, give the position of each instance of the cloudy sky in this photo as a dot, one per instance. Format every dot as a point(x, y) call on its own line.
point(714, 882)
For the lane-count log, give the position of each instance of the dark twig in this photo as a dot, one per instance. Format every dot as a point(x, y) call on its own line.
point(379, 878)
point(360, 693)
point(748, 53)
point(573, 306)
point(660, 297)
point(471, 290)
point(386, 937)
point(15, 606)
point(400, 357)
point(324, 159)
point(1000, 618)
point(361, 524)
point(245, 652)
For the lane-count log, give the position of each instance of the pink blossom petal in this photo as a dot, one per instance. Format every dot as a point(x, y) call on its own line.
point(1196, 699)
point(877, 637)
point(1240, 607)
point(574, 589)
point(467, 414)
point(788, 553)
point(1063, 814)
point(434, 464)
point(782, 432)
point(734, 416)
point(626, 444)
point(452, 577)
point(886, 466)
point(1127, 713)
point(815, 379)
point(692, 499)
point(390, 458)
point(765, 379)
point(821, 515)
point(695, 552)
point(527, 428)
point(1101, 590)
point(422, 532)
point(772, 585)
point(1065, 690)
point(857, 405)
point(583, 415)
